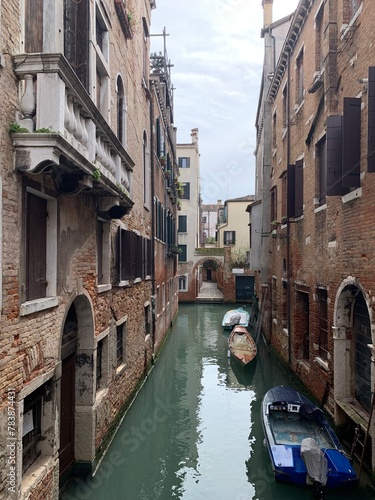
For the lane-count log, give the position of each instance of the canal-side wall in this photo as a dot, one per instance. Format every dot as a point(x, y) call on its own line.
point(320, 303)
point(72, 356)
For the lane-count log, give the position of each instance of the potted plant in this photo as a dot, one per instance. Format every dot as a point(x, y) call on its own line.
point(162, 160)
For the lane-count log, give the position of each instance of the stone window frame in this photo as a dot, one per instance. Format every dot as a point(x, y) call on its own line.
point(102, 384)
point(47, 446)
point(121, 324)
point(103, 255)
point(51, 300)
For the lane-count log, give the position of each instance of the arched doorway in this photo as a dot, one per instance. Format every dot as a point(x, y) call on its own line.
point(209, 270)
point(67, 400)
point(362, 362)
point(352, 337)
point(77, 388)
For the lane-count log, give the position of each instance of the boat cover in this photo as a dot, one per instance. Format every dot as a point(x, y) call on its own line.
point(315, 461)
point(235, 319)
point(312, 413)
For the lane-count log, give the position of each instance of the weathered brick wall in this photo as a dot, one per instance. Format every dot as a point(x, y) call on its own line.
point(336, 242)
point(30, 345)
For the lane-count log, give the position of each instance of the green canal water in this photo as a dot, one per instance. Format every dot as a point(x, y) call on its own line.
point(194, 432)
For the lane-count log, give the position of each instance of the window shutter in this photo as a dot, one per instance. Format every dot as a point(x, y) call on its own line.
point(182, 223)
point(186, 193)
point(36, 257)
point(138, 256)
point(299, 188)
point(34, 26)
point(132, 256)
point(371, 120)
point(291, 191)
point(149, 257)
point(121, 254)
point(158, 149)
point(182, 255)
point(351, 143)
point(334, 155)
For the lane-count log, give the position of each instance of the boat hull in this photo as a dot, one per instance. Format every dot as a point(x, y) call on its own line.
point(241, 345)
point(288, 417)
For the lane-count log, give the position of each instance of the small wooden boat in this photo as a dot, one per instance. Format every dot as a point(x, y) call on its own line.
point(241, 345)
point(303, 447)
point(236, 317)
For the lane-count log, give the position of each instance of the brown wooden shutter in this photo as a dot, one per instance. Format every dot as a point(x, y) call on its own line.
point(121, 254)
point(291, 191)
point(299, 189)
point(133, 241)
point(99, 250)
point(334, 155)
point(36, 254)
point(34, 26)
point(138, 257)
point(351, 143)
point(149, 257)
point(371, 120)
point(126, 254)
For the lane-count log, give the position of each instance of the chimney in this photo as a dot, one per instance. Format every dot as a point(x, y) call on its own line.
point(194, 135)
point(267, 12)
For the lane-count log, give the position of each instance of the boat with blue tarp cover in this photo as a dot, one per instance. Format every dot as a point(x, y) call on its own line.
point(303, 447)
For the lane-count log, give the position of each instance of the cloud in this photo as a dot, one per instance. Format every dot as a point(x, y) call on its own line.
point(217, 53)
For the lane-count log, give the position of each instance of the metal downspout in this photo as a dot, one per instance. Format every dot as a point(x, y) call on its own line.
point(152, 167)
point(288, 229)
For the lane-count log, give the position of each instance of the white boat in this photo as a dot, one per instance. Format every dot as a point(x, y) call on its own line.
point(235, 317)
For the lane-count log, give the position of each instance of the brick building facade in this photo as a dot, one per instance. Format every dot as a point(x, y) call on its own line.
point(318, 282)
point(88, 288)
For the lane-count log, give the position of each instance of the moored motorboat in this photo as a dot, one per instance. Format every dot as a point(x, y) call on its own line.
point(239, 316)
point(303, 447)
point(241, 345)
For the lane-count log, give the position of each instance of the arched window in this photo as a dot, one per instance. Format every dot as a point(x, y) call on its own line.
point(121, 112)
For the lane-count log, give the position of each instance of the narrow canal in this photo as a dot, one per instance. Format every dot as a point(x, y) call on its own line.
point(194, 432)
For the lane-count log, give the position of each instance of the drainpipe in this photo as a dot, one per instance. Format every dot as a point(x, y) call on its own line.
point(152, 168)
point(288, 271)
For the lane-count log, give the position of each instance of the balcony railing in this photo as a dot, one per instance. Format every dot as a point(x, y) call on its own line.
point(74, 133)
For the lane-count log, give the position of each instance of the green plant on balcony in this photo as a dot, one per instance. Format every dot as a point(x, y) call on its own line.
point(15, 128)
point(162, 160)
point(179, 189)
point(275, 223)
point(42, 130)
point(96, 174)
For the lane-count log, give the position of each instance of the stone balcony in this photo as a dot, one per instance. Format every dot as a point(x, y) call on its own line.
point(63, 133)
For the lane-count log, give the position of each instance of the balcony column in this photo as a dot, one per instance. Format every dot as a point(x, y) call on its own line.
point(28, 103)
point(51, 102)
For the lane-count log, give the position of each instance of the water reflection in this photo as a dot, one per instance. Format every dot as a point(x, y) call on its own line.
point(195, 430)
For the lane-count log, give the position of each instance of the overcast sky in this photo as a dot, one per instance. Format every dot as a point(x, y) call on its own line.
point(217, 55)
